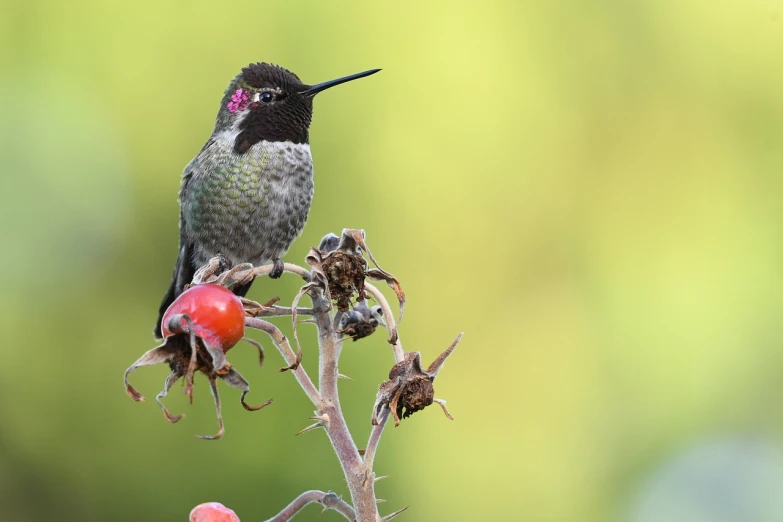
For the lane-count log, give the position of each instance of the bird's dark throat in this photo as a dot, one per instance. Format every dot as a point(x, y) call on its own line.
point(259, 126)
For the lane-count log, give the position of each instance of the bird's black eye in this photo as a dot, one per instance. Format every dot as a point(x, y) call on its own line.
point(266, 97)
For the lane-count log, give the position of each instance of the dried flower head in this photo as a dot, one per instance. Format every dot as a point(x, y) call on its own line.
point(409, 388)
point(340, 269)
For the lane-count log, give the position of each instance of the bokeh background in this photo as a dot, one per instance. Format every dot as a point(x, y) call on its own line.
point(590, 190)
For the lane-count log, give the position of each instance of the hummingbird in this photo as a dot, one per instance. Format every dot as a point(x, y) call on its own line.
point(247, 194)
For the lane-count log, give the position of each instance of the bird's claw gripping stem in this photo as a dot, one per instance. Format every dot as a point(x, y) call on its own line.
point(277, 271)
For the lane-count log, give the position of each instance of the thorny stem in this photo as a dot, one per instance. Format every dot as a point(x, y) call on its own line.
point(362, 490)
point(358, 473)
point(277, 311)
point(399, 354)
point(281, 342)
point(330, 348)
point(372, 444)
point(328, 500)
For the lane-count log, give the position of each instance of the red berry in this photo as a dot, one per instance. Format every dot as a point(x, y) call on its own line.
point(213, 512)
point(217, 314)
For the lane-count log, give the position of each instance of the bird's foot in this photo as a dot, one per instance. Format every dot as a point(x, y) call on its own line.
point(224, 263)
point(278, 268)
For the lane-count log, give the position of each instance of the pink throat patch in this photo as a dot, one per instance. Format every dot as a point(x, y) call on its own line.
point(239, 101)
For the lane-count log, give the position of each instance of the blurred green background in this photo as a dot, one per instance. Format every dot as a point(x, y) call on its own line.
point(590, 190)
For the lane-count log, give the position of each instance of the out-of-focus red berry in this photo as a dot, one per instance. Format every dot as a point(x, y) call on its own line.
point(217, 314)
point(213, 512)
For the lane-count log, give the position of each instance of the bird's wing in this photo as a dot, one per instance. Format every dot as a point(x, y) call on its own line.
point(184, 269)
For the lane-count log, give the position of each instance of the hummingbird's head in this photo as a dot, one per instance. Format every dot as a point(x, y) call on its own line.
point(267, 102)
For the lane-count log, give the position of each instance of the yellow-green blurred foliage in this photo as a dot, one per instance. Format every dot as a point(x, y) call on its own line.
point(590, 190)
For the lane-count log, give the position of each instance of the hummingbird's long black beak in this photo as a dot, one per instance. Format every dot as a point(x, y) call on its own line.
point(315, 89)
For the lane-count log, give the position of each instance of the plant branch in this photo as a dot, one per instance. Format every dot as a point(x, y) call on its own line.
point(283, 346)
point(330, 348)
point(329, 500)
point(358, 472)
point(388, 316)
point(399, 356)
point(280, 311)
point(267, 269)
point(372, 444)
point(362, 490)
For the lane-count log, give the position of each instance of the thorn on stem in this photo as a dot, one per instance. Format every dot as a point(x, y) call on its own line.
point(309, 428)
point(323, 419)
point(392, 515)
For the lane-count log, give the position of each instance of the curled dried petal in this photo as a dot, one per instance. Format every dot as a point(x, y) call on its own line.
point(157, 355)
point(442, 404)
point(302, 291)
point(254, 408)
point(234, 379)
point(216, 396)
point(260, 349)
point(170, 380)
point(376, 274)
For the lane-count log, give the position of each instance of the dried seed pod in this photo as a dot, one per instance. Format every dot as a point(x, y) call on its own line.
point(361, 321)
point(340, 269)
point(409, 388)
